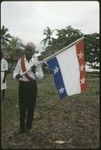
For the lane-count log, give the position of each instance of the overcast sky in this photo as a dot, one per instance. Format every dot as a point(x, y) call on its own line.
point(27, 20)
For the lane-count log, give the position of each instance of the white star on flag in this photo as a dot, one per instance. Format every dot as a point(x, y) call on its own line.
point(61, 90)
point(80, 55)
point(82, 80)
point(82, 67)
point(56, 70)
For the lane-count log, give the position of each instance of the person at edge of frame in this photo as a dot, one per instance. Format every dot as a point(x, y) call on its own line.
point(4, 71)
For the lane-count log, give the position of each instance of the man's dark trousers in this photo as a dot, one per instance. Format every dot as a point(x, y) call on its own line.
point(27, 101)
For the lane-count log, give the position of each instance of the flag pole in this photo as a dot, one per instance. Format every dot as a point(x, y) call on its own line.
point(77, 41)
point(50, 57)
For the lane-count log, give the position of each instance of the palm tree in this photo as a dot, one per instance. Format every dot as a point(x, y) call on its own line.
point(14, 50)
point(48, 33)
point(5, 37)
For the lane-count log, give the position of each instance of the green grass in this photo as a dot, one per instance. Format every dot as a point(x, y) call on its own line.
point(75, 120)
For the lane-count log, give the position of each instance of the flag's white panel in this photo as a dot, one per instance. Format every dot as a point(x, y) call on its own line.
point(68, 70)
point(69, 65)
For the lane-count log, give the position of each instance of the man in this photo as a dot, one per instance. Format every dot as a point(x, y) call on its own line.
point(4, 70)
point(27, 86)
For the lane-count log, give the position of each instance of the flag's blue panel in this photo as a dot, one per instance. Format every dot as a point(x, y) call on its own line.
point(54, 67)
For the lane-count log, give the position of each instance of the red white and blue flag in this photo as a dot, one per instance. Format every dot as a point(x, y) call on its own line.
point(68, 68)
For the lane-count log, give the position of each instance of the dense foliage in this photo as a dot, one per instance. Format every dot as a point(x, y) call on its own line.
point(69, 35)
point(53, 43)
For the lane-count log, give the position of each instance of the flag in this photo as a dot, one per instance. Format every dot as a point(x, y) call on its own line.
point(68, 69)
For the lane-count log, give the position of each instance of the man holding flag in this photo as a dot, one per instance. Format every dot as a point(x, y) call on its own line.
point(68, 69)
point(27, 86)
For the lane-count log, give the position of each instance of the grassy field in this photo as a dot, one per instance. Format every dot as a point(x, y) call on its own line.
point(71, 123)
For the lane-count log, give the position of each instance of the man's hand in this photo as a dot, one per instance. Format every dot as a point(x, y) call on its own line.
point(18, 76)
point(33, 68)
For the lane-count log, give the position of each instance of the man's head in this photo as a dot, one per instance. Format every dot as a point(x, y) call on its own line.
point(29, 50)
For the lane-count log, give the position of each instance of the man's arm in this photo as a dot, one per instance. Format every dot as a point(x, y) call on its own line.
point(5, 70)
point(16, 72)
point(5, 73)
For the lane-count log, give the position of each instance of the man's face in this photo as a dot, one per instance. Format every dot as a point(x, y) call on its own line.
point(29, 53)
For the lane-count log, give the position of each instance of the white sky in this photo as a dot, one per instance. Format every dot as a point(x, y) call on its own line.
point(27, 20)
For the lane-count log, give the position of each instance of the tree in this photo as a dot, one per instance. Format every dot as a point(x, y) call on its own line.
point(92, 49)
point(69, 35)
point(14, 50)
point(64, 38)
point(48, 33)
point(5, 36)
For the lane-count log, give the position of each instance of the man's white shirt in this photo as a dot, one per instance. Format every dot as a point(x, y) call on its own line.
point(4, 67)
point(18, 70)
